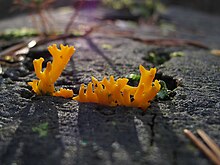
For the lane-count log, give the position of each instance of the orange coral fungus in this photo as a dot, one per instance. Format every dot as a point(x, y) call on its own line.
point(47, 78)
point(113, 93)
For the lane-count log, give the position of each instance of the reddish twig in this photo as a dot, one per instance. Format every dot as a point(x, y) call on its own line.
point(42, 40)
point(214, 147)
point(202, 147)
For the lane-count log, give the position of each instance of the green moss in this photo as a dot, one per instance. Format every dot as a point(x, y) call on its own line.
point(158, 57)
point(18, 33)
point(144, 9)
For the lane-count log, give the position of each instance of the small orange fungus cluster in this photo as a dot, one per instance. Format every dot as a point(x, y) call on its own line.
point(47, 78)
point(113, 93)
point(107, 92)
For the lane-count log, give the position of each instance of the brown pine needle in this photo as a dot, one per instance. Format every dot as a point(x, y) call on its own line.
point(215, 52)
point(213, 146)
point(202, 147)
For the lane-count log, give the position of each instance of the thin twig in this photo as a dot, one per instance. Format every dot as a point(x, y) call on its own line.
point(213, 146)
point(42, 40)
point(34, 22)
point(43, 21)
point(202, 147)
point(169, 42)
point(11, 50)
point(64, 36)
point(158, 41)
point(73, 17)
point(51, 20)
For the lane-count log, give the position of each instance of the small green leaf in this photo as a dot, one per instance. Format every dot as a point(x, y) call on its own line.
point(163, 94)
point(134, 77)
point(18, 33)
point(177, 54)
point(107, 46)
point(41, 129)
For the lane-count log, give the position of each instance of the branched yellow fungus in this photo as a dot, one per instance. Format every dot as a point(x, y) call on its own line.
point(47, 78)
point(66, 93)
point(113, 93)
